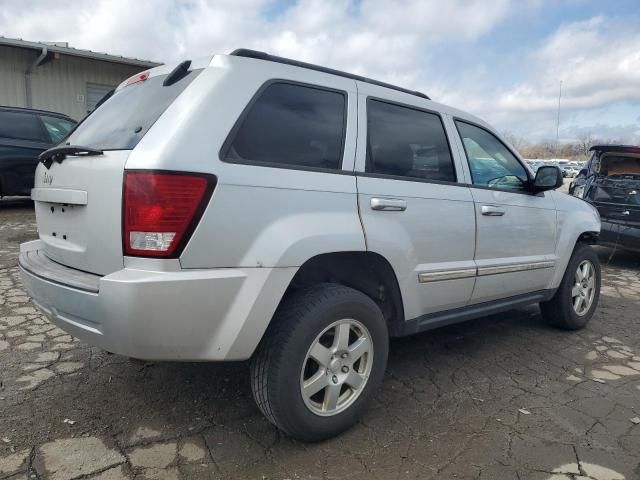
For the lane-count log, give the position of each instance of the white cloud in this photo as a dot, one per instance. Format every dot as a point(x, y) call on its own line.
point(371, 36)
point(597, 59)
point(598, 62)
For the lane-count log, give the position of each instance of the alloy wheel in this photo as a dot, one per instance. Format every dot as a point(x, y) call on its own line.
point(337, 367)
point(583, 290)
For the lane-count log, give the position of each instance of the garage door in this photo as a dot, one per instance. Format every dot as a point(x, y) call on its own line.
point(95, 92)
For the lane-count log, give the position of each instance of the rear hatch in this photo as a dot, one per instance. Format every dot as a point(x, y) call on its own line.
point(617, 198)
point(78, 199)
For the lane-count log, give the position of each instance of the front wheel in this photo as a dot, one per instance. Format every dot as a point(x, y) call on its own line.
point(321, 359)
point(577, 297)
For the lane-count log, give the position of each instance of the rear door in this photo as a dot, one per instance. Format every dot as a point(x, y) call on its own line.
point(413, 210)
point(516, 230)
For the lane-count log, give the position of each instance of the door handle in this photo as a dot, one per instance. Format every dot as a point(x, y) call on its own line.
point(492, 211)
point(388, 204)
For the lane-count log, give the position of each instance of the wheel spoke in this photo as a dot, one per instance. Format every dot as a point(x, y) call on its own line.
point(316, 383)
point(576, 303)
point(591, 283)
point(575, 291)
point(354, 380)
point(331, 395)
point(583, 304)
point(320, 354)
point(359, 348)
point(341, 340)
point(590, 294)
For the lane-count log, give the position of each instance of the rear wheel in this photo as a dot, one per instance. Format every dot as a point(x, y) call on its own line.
point(576, 299)
point(320, 361)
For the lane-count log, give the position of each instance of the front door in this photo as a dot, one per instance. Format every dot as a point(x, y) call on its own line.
point(516, 229)
point(414, 212)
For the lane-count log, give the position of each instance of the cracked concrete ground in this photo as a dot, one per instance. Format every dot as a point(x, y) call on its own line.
point(504, 397)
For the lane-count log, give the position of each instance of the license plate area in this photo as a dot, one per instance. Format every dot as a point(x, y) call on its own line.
point(60, 226)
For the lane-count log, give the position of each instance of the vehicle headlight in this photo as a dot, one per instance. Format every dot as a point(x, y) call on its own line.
point(579, 191)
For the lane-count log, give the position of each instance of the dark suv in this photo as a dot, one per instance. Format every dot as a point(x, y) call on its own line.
point(611, 183)
point(24, 134)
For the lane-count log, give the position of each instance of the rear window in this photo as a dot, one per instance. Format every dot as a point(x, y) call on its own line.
point(21, 126)
point(122, 121)
point(291, 125)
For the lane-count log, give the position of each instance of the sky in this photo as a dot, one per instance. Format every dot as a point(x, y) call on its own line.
point(502, 60)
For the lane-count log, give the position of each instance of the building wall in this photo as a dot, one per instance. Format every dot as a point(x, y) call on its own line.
point(59, 85)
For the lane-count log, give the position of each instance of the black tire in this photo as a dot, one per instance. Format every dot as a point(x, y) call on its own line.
point(276, 366)
point(559, 311)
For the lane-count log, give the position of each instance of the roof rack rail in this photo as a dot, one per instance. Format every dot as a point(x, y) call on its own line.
point(245, 52)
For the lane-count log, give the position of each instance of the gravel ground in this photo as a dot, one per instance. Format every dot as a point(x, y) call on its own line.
point(504, 397)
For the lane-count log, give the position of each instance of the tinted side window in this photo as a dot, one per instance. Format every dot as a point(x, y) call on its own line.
point(407, 142)
point(21, 126)
point(57, 128)
point(294, 125)
point(490, 162)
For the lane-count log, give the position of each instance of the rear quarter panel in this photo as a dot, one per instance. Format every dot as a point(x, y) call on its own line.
point(258, 216)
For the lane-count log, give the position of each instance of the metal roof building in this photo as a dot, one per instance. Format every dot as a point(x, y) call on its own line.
point(56, 77)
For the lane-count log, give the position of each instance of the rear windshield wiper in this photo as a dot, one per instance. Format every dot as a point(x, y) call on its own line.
point(59, 153)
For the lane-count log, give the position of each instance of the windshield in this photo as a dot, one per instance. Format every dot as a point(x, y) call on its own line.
point(121, 121)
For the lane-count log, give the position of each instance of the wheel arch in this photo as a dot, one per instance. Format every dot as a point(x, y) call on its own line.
point(365, 271)
point(589, 237)
point(566, 247)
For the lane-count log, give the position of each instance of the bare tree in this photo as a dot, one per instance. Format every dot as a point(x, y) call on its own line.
point(516, 141)
point(586, 140)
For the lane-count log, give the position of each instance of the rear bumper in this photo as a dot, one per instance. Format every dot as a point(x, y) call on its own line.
point(200, 315)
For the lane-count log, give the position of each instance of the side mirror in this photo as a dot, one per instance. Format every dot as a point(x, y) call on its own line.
point(548, 177)
point(583, 172)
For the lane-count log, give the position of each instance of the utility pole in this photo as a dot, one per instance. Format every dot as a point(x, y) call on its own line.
point(558, 119)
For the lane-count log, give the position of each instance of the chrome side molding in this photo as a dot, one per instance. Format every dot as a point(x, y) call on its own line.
point(425, 277)
point(518, 267)
point(441, 275)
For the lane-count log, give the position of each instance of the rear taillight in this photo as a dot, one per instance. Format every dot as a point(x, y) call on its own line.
point(161, 209)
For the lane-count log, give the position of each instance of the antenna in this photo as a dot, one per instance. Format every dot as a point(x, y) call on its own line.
point(558, 119)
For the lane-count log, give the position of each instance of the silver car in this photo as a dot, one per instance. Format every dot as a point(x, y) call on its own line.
point(246, 206)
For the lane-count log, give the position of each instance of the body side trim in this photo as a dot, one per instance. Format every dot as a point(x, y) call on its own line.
point(452, 274)
point(519, 267)
point(441, 275)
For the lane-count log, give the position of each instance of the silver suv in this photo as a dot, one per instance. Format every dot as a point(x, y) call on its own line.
point(246, 206)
